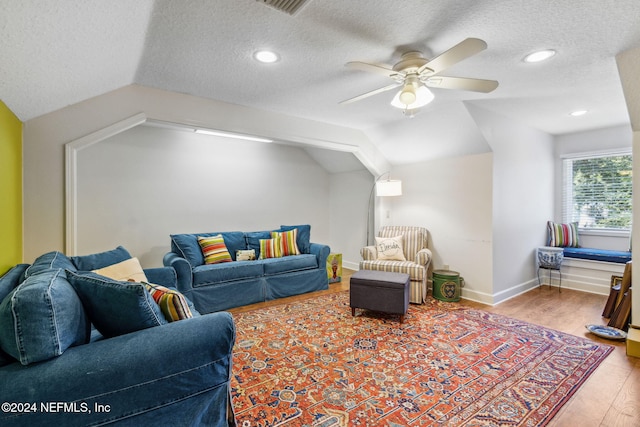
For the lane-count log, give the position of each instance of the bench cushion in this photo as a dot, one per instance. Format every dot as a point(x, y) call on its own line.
point(620, 257)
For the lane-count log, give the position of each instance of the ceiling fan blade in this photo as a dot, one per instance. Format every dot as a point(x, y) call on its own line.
point(457, 53)
point(462, 83)
point(385, 70)
point(368, 94)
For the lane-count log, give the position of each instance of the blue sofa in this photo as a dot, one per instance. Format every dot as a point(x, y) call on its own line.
point(215, 287)
point(57, 369)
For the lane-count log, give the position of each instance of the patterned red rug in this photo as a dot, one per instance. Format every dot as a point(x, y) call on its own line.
point(311, 363)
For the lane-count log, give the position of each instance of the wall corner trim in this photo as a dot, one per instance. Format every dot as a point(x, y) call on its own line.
point(71, 150)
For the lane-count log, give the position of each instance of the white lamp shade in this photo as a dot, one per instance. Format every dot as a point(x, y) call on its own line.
point(390, 187)
point(423, 97)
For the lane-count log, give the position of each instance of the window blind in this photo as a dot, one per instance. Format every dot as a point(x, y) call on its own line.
point(597, 191)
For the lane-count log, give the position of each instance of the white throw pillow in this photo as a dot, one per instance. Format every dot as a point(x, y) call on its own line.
point(390, 248)
point(129, 269)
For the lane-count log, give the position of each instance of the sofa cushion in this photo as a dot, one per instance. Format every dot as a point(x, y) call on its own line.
point(8, 282)
point(173, 304)
point(214, 250)
point(216, 273)
point(270, 248)
point(187, 246)
point(253, 240)
point(11, 279)
point(288, 244)
point(303, 238)
point(100, 259)
point(114, 307)
point(51, 260)
point(127, 270)
point(290, 263)
point(41, 318)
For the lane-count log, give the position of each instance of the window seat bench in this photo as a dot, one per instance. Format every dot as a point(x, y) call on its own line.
point(620, 257)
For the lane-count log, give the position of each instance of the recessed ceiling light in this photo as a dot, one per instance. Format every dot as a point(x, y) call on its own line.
point(578, 113)
point(540, 55)
point(266, 56)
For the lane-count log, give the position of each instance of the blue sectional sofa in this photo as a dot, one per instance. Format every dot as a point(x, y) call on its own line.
point(215, 287)
point(136, 369)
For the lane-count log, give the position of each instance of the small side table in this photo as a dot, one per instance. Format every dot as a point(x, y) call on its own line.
point(550, 258)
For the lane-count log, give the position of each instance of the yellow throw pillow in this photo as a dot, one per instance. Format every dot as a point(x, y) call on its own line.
point(128, 270)
point(288, 244)
point(214, 249)
point(390, 248)
point(270, 248)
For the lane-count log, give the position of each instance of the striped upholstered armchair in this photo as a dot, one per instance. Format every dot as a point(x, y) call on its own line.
point(385, 257)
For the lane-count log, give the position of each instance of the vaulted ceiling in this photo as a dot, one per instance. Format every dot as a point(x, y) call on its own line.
point(54, 53)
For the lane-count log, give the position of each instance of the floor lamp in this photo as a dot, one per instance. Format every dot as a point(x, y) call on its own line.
point(384, 188)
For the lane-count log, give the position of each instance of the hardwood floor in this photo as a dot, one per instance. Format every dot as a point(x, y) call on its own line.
point(609, 398)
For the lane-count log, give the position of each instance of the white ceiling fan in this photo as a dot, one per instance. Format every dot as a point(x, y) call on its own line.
point(415, 74)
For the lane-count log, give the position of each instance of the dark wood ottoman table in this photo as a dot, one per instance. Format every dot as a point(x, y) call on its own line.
point(379, 291)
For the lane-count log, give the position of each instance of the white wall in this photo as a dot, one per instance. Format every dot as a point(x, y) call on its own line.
point(523, 188)
point(629, 67)
point(44, 138)
point(136, 188)
point(452, 198)
point(347, 223)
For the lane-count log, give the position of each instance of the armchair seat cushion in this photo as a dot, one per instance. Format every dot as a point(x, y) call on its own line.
point(415, 271)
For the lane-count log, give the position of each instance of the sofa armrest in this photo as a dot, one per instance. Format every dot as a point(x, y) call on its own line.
point(183, 365)
point(369, 253)
point(321, 252)
point(184, 274)
point(165, 276)
point(424, 256)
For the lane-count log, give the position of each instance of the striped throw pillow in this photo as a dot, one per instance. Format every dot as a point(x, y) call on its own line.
point(214, 250)
point(289, 245)
point(172, 303)
point(270, 248)
point(562, 235)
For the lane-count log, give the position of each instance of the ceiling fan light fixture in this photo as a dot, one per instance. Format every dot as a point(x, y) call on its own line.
point(407, 95)
point(422, 94)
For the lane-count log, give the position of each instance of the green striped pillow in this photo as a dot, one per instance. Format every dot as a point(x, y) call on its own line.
point(214, 249)
point(270, 248)
point(289, 245)
point(563, 235)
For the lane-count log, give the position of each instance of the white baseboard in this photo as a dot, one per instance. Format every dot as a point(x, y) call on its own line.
point(577, 274)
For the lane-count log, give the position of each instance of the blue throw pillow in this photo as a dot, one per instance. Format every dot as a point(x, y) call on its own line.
point(11, 279)
point(51, 260)
point(253, 240)
point(116, 308)
point(100, 259)
point(41, 318)
point(303, 239)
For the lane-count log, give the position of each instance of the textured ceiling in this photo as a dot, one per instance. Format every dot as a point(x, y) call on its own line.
point(58, 52)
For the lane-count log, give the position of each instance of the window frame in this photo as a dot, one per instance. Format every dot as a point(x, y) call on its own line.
point(566, 204)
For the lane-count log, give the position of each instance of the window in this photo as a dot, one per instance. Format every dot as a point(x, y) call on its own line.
point(597, 191)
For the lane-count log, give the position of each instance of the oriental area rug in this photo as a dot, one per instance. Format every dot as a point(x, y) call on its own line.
point(310, 363)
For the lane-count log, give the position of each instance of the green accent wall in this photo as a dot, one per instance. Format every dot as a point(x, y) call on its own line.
point(10, 189)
